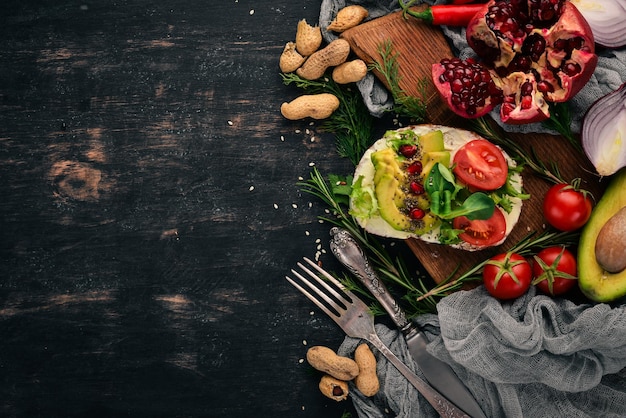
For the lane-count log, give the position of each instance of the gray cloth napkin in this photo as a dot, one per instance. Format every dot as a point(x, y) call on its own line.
point(533, 357)
point(609, 75)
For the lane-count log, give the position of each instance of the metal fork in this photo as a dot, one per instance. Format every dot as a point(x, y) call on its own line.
point(355, 318)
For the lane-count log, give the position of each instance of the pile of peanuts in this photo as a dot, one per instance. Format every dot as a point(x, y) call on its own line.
point(307, 60)
point(339, 370)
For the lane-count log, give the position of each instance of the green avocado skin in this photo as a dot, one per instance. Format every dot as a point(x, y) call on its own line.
point(595, 283)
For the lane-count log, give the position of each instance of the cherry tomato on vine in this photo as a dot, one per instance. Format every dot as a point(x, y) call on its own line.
point(554, 269)
point(566, 207)
point(507, 276)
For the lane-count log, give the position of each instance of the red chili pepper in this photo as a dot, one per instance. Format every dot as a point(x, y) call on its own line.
point(444, 14)
point(465, 1)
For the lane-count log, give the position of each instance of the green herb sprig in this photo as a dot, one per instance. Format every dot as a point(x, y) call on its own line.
point(485, 128)
point(351, 123)
point(561, 121)
point(413, 107)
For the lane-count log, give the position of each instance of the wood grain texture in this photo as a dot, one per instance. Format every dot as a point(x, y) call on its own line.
point(417, 46)
point(142, 258)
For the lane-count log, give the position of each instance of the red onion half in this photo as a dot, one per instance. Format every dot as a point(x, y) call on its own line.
point(607, 19)
point(603, 133)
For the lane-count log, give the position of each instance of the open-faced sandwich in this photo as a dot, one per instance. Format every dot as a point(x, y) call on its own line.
point(437, 184)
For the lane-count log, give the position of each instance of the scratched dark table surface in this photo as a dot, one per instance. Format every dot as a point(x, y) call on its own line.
point(149, 212)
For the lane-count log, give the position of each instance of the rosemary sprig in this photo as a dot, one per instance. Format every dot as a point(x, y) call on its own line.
point(483, 127)
point(404, 104)
point(351, 123)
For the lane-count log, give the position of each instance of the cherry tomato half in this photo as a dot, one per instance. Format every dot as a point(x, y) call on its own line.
point(566, 208)
point(482, 232)
point(480, 165)
point(507, 276)
point(554, 269)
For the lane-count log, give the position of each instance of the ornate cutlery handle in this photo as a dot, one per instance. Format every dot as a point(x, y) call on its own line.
point(350, 254)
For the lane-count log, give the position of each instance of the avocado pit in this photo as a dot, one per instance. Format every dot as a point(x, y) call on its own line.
point(610, 247)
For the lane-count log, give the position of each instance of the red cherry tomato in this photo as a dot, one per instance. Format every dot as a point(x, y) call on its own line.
point(507, 276)
point(554, 269)
point(482, 232)
point(480, 165)
point(566, 208)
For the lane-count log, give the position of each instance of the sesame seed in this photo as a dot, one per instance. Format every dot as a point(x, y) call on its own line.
point(251, 12)
point(275, 206)
point(293, 205)
point(307, 233)
point(298, 131)
point(230, 123)
point(251, 188)
point(282, 138)
point(311, 164)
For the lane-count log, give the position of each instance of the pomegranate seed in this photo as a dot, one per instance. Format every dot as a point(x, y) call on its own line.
point(545, 87)
point(527, 102)
point(571, 69)
point(417, 188)
point(575, 43)
point(526, 89)
point(415, 168)
point(407, 150)
point(560, 44)
point(417, 213)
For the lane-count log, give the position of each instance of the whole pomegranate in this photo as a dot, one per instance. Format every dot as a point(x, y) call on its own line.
point(532, 52)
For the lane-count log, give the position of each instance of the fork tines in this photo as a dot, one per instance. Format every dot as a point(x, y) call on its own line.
point(332, 306)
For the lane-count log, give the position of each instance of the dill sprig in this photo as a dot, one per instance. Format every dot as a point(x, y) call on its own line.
point(404, 104)
point(351, 123)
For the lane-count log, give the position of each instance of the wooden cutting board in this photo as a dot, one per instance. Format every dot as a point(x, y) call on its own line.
point(417, 46)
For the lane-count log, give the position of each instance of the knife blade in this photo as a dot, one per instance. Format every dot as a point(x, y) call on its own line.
point(438, 373)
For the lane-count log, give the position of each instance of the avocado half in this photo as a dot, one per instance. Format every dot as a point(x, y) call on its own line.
point(596, 283)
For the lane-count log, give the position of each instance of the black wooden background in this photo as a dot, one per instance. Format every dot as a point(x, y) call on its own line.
point(149, 212)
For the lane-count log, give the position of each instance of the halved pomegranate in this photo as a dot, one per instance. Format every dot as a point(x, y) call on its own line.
point(535, 51)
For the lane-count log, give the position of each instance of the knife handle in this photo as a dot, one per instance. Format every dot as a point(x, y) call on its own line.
point(349, 253)
point(440, 403)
